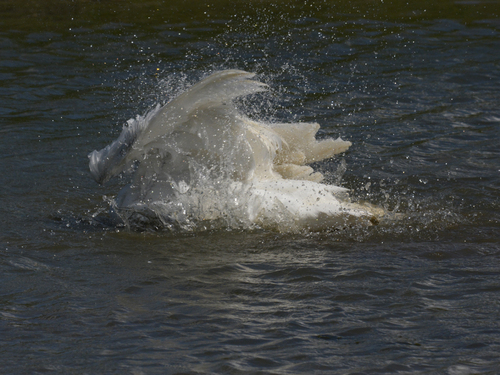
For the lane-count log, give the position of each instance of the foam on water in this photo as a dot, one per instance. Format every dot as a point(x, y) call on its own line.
point(199, 162)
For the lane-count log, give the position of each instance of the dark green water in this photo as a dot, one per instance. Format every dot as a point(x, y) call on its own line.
point(414, 86)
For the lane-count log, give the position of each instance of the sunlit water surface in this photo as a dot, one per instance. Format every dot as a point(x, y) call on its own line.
point(416, 89)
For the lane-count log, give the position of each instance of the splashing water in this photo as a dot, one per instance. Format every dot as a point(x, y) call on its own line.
point(198, 162)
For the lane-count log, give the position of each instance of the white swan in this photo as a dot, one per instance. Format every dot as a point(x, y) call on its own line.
point(199, 159)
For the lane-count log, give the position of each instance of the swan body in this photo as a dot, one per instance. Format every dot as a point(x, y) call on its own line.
point(198, 159)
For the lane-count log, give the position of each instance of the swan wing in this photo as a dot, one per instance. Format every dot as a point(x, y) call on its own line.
point(139, 135)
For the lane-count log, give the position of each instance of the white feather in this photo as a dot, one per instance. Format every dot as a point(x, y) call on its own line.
point(198, 158)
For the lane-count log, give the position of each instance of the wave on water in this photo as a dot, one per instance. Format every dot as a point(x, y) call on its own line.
point(198, 162)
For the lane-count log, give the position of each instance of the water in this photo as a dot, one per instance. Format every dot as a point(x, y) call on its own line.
point(415, 88)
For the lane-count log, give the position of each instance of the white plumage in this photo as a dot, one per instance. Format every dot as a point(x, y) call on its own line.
point(198, 159)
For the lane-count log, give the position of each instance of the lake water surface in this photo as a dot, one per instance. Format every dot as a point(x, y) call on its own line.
point(414, 86)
